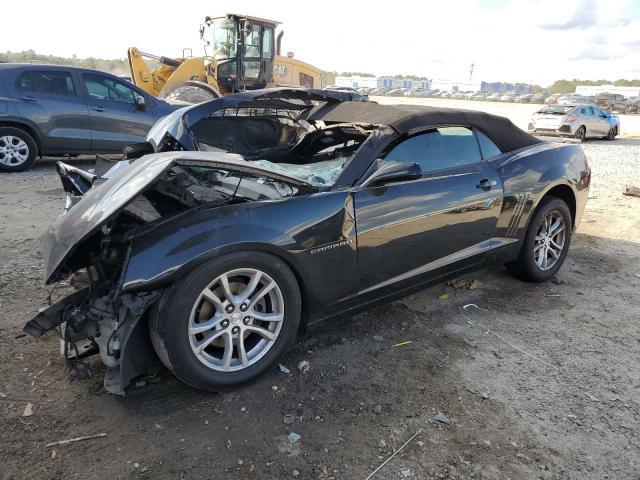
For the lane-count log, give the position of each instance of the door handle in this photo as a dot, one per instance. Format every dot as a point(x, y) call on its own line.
point(28, 99)
point(486, 184)
point(98, 109)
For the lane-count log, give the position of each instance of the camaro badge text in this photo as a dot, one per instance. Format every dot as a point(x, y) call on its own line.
point(331, 246)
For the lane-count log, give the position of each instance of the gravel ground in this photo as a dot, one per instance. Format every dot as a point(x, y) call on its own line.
point(541, 382)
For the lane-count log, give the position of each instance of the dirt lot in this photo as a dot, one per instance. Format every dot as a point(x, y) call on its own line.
point(543, 384)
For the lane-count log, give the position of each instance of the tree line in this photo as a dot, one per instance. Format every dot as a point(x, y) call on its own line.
point(120, 66)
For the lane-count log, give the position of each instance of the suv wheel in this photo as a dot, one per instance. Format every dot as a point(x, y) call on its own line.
point(546, 242)
point(227, 321)
point(18, 149)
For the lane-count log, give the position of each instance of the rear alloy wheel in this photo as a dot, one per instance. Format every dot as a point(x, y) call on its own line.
point(227, 321)
point(581, 133)
point(18, 150)
point(612, 134)
point(546, 242)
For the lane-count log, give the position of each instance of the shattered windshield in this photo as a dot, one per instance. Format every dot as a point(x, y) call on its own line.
point(319, 174)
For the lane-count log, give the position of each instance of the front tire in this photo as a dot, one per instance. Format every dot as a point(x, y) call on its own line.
point(18, 150)
point(612, 134)
point(190, 94)
point(227, 321)
point(546, 242)
point(581, 133)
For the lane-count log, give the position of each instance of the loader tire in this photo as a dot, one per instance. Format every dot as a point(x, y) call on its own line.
point(190, 94)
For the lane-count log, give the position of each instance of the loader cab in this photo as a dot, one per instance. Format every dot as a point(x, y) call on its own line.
point(244, 50)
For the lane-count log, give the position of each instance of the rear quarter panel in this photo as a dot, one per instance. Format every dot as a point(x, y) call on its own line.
point(296, 230)
point(530, 173)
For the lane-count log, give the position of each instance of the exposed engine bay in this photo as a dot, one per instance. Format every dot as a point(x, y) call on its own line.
point(101, 319)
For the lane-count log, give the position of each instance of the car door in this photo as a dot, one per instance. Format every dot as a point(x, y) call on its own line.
point(50, 99)
point(116, 119)
point(587, 118)
point(414, 230)
point(600, 121)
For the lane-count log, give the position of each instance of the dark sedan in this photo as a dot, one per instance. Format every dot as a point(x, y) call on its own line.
point(299, 206)
point(57, 110)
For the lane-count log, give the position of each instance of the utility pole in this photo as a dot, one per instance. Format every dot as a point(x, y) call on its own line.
point(471, 71)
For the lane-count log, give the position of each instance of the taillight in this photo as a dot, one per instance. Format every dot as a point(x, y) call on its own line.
point(570, 118)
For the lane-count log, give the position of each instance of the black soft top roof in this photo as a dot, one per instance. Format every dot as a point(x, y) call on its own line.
point(406, 119)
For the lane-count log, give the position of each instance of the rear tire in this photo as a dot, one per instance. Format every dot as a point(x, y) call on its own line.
point(536, 263)
point(18, 150)
point(198, 308)
point(190, 94)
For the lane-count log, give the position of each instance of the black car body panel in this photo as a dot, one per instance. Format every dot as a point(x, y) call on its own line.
point(73, 121)
point(351, 243)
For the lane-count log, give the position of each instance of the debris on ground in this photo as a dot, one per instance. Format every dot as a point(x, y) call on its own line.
point(283, 369)
point(294, 437)
point(405, 342)
point(632, 192)
point(378, 338)
point(394, 454)
point(77, 439)
point(382, 444)
point(441, 418)
point(556, 281)
point(443, 297)
point(3, 395)
point(289, 418)
point(377, 409)
point(28, 410)
point(304, 367)
point(462, 283)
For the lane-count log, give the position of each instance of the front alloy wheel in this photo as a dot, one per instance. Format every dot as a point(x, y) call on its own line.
point(227, 321)
point(236, 320)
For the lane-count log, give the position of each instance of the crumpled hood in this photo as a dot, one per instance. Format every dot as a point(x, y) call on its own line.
point(105, 199)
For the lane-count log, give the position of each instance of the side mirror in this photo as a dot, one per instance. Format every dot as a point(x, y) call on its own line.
point(393, 172)
point(141, 103)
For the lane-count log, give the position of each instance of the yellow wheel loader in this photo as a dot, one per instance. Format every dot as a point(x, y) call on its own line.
point(241, 53)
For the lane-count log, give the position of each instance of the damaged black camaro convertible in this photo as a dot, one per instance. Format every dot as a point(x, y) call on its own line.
point(250, 217)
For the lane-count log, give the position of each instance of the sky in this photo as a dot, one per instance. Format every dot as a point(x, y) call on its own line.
point(531, 41)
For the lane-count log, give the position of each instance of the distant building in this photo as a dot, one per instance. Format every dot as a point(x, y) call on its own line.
point(452, 86)
point(390, 82)
point(503, 87)
point(357, 82)
point(382, 82)
point(588, 90)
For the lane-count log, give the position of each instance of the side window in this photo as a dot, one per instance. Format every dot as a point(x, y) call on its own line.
point(437, 149)
point(305, 80)
point(487, 147)
point(106, 88)
point(267, 43)
point(585, 111)
point(50, 83)
point(252, 41)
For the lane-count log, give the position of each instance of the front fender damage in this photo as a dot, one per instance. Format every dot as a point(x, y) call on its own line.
point(113, 326)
